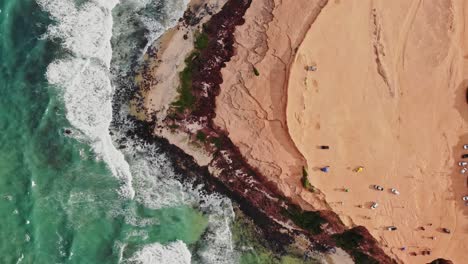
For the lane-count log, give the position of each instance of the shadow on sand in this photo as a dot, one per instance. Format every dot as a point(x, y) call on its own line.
point(459, 182)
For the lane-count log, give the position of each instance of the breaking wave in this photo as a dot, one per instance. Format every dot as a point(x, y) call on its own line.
point(85, 32)
point(173, 253)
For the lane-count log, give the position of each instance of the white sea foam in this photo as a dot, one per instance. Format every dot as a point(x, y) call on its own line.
point(154, 181)
point(85, 31)
point(20, 259)
point(173, 10)
point(173, 253)
point(130, 16)
point(218, 237)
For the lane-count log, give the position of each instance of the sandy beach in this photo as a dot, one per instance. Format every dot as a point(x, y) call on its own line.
point(389, 94)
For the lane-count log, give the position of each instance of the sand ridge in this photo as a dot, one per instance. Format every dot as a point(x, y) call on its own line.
point(389, 94)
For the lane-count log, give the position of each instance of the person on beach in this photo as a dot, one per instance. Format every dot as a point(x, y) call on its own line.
point(359, 169)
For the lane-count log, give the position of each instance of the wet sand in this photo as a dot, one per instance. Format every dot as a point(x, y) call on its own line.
point(389, 94)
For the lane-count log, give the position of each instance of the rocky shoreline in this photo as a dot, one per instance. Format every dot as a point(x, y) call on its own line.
point(282, 222)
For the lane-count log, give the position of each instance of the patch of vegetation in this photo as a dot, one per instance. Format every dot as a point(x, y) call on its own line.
point(201, 136)
point(171, 115)
point(305, 181)
point(173, 126)
point(362, 258)
point(349, 241)
point(216, 141)
point(201, 41)
point(256, 71)
point(186, 99)
point(308, 220)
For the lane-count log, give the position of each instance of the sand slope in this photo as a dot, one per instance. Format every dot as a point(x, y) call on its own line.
point(389, 94)
point(253, 108)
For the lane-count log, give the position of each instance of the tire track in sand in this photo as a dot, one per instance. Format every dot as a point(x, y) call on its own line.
point(403, 41)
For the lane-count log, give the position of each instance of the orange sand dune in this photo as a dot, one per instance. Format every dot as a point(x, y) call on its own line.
point(389, 94)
